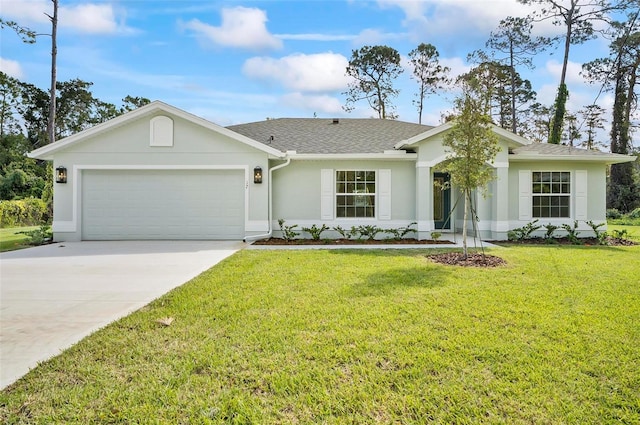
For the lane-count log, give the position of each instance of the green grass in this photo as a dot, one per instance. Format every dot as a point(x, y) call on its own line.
point(355, 337)
point(10, 239)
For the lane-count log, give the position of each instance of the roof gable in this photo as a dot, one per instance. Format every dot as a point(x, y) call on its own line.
point(512, 139)
point(47, 152)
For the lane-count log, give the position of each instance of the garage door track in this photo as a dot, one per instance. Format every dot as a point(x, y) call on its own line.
point(54, 295)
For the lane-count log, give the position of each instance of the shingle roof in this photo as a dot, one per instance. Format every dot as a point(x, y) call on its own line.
point(552, 149)
point(561, 152)
point(325, 136)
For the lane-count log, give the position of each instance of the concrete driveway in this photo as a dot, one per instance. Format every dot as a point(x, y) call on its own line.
point(52, 296)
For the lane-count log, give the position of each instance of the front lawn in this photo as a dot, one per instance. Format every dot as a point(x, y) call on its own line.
point(363, 337)
point(11, 238)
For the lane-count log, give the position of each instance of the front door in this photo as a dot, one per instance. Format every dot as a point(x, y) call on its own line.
point(441, 201)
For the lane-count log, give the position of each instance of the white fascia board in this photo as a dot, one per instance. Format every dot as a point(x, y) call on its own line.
point(511, 137)
point(606, 158)
point(422, 136)
point(46, 152)
point(352, 156)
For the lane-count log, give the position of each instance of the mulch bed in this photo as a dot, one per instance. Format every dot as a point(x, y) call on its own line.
point(566, 241)
point(408, 241)
point(472, 260)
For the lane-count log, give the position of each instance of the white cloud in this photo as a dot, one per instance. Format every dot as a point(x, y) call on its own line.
point(573, 72)
point(241, 27)
point(322, 104)
point(308, 73)
point(372, 37)
point(88, 18)
point(11, 68)
point(436, 17)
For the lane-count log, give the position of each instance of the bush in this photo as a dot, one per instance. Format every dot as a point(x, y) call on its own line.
point(634, 214)
point(315, 231)
point(287, 231)
point(613, 213)
point(24, 212)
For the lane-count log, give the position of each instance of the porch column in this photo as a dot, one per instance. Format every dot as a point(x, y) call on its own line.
point(424, 200)
point(500, 220)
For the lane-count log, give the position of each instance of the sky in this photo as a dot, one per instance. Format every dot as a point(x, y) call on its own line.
point(242, 61)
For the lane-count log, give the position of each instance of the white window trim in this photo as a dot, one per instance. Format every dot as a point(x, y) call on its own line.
point(376, 205)
point(569, 195)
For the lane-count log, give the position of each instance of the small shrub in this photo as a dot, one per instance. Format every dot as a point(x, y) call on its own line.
point(401, 232)
point(287, 231)
point(572, 232)
point(436, 235)
point(346, 234)
point(524, 232)
point(39, 236)
point(620, 235)
point(551, 228)
point(369, 231)
point(315, 231)
point(613, 213)
point(634, 214)
point(595, 227)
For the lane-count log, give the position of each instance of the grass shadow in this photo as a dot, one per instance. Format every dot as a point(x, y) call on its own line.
point(427, 276)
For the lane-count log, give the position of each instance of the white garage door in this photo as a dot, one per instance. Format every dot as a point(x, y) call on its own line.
point(162, 204)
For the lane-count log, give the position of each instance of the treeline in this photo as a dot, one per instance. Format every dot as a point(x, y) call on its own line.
point(496, 84)
point(23, 128)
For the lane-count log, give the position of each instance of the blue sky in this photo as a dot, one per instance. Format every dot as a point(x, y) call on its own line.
point(241, 61)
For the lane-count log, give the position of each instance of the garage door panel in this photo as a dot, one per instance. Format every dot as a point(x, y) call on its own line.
point(162, 204)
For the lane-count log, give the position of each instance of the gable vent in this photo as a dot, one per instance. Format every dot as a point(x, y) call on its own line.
point(336, 121)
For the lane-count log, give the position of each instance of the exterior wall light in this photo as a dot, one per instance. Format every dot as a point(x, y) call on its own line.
point(61, 175)
point(257, 175)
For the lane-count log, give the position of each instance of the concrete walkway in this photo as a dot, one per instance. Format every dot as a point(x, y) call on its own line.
point(52, 296)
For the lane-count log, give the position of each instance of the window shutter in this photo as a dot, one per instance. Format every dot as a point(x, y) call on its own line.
point(384, 194)
point(524, 194)
point(327, 195)
point(580, 186)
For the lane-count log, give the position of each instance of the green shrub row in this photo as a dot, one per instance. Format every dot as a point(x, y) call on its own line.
point(23, 212)
point(571, 232)
point(368, 232)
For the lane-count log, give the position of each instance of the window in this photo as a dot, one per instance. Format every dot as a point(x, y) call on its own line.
point(356, 194)
point(551, 192)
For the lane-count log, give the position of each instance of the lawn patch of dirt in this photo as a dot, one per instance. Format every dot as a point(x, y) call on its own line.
point(408, 241)
point(472, 260)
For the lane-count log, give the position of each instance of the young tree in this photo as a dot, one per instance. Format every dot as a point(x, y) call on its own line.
point(471, 144)
point(513, 38)
point(373, 69)
point(578, 18)
point(427, 71)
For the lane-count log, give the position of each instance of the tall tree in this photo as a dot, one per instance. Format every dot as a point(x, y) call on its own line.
point(470, 144)
point(427, 71)
point(51, 124)
point(620, 73)
point(578, 18)
point(129, 103)
point(27, 35)
point(513, 38)
point(496, 87)
point(373, 69)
